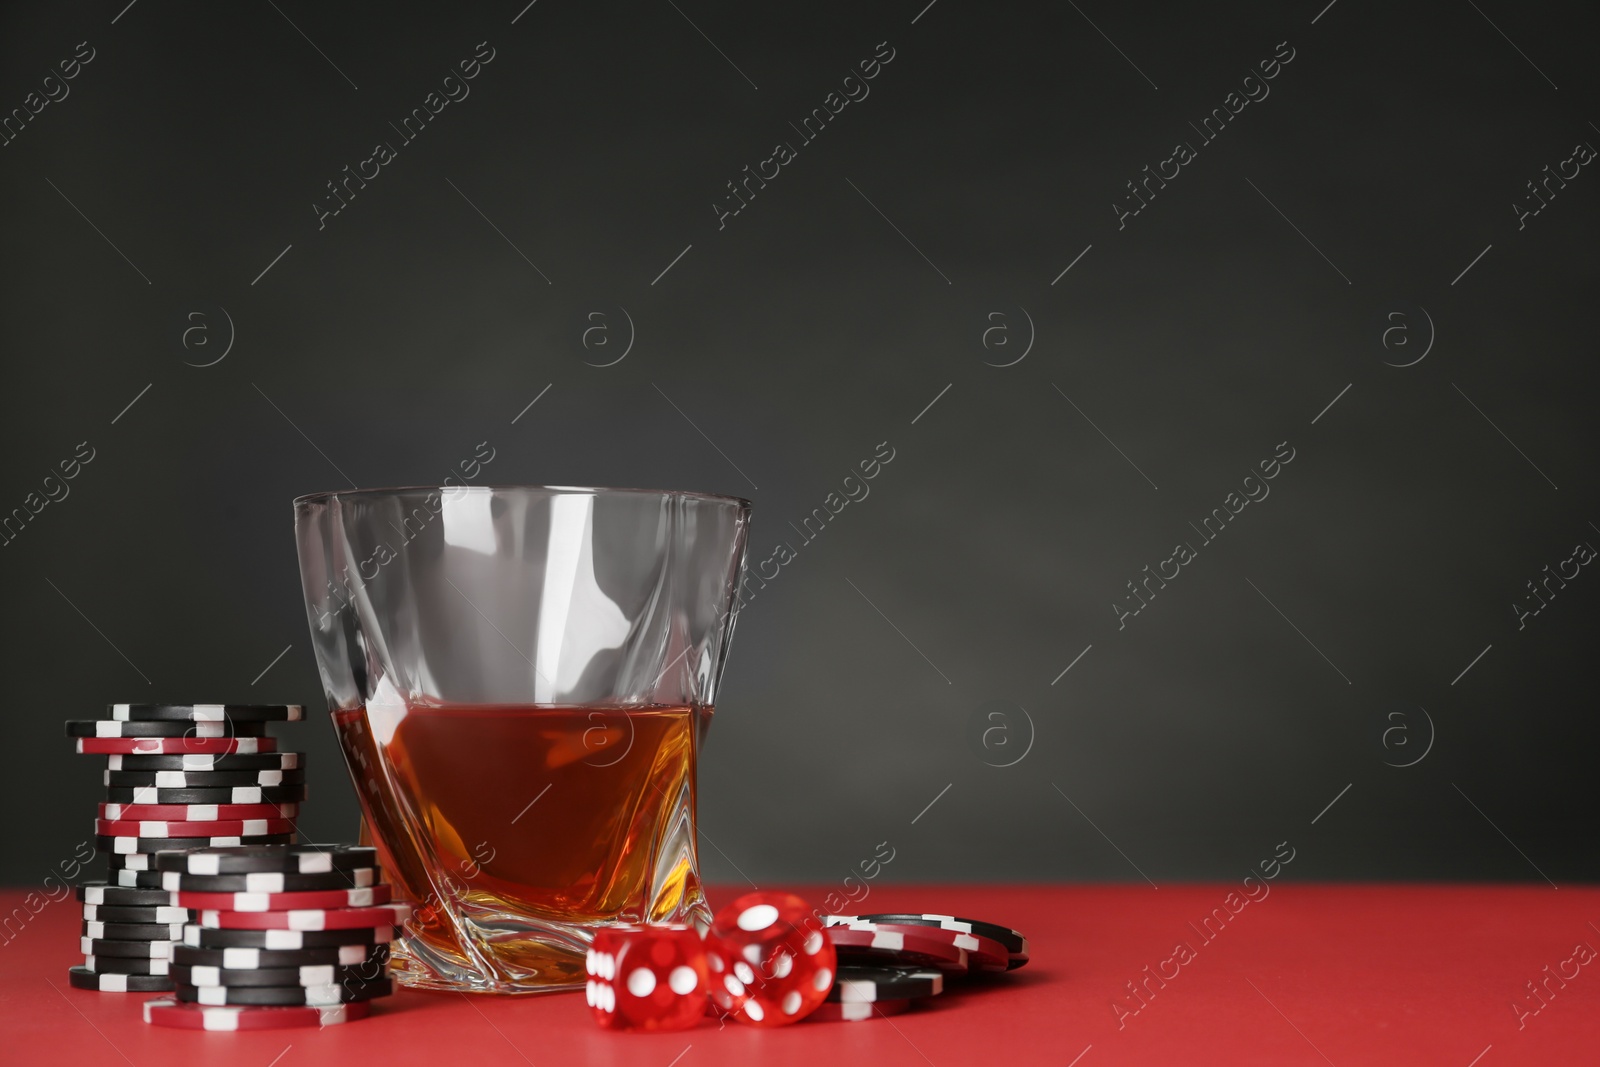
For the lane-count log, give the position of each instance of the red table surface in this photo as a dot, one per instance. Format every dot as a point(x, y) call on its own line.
point(1309, 974)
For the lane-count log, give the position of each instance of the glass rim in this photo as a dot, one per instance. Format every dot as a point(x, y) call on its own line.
point(589, 490)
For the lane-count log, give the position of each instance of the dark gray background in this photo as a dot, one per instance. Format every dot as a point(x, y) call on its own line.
point(1252, 692)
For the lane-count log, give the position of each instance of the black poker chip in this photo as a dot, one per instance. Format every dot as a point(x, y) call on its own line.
point(372, 957)
point(281, 977)
point(131, 931)
point(136, 879)
point(127, 965)
point(271, 881)
point(108, 913)
point(140, 950)
point(131, 861)
point(127, 845)
point(122, 896)
point(952, 951)
point(1015, 942)
point(244, 794)
point(205, 761)
point(84, 978)
point(206, 712)
point(858, 985)
point(165, 1011)
point(110, 728)
point(285, 940)
point(857, 1012)
point(344, 993)
point(202, 779)
point(301, 859)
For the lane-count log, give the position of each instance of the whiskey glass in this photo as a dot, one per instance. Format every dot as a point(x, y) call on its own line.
point(520, 679)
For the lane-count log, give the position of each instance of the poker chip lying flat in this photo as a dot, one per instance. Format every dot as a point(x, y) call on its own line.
point(155, 746)
point(868, 985)
point(207, 761)
point(983, 953)
point(215, 828)
point(244, 794)
point(884, 946)
point(856, 1011)
point(270, 881)
point(132, 931)
point(111, 914)
point(283, 996)
point(125, 965)
point(197, 812)
point(120, 896)
point(202, 779)
point(181, 1016)
point(311, 899)
point(108, 728)
point(302, 859)
point(84, 978)
point(306, 919)
point(282, 978)
point(136, 879)
point(207, 712)
point(132, 861)
point(130, 845)
point(255, 959)
point(286, 940)
point(1016, 944)
point(133, 950)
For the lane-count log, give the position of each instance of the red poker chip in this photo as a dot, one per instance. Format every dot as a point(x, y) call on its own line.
point(197, 812)
point(1015, 943)
point(896, 948)
point(830, 1012)
point(217, 828)
point(306, 919)
point(364, 897)
point(174, 746)
point(983, 953)
point(185, 1016)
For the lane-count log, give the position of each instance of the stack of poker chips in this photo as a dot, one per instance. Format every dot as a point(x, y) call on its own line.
point(280, 936)
point(889, 962)
point(178, 776)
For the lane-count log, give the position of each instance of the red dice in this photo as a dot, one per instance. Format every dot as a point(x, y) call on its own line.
point(647, 977)
point(770, 962)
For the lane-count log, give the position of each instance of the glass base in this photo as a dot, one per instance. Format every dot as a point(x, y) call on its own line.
point(509, 955)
